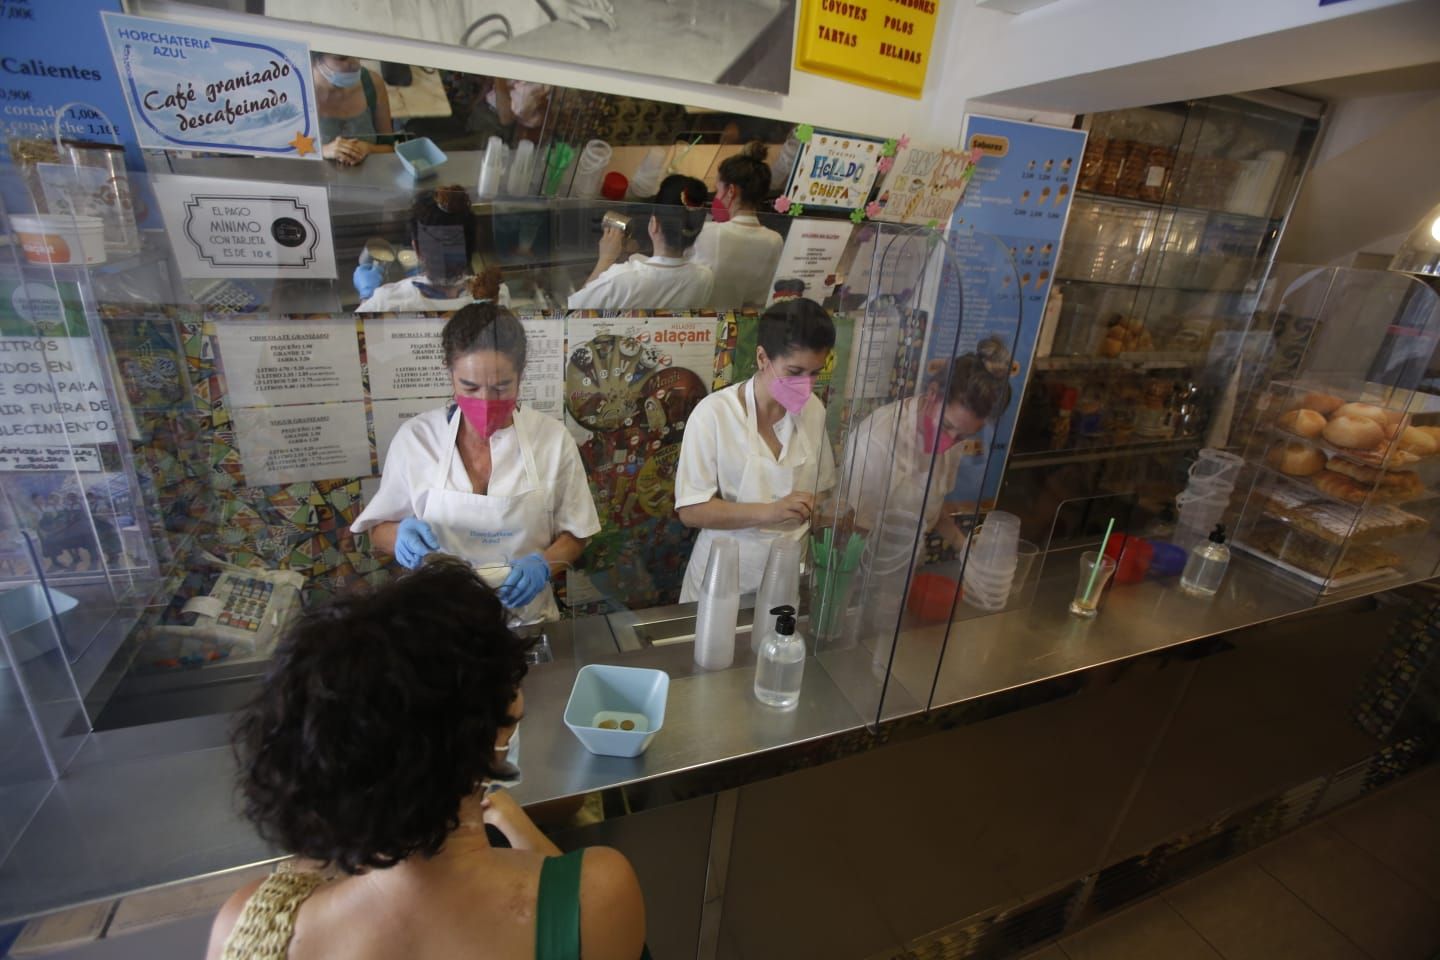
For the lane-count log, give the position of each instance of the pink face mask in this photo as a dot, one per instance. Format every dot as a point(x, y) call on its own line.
point(792, 393)
point(718, 210)
point(930, 431)
point(486, 416)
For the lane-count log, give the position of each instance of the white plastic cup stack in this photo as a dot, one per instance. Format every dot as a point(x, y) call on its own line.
point(1203, 501)
point(993, 558)
point(492, 169)
point(779, 586)
point(522, 167)
point(646, 182)
point(719, 608)
point(589, 170)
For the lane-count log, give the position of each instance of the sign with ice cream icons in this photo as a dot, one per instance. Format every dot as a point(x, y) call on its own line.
point(833, 171)
point(196, 88)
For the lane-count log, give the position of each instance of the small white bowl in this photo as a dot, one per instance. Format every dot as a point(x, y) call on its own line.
point(601, 690)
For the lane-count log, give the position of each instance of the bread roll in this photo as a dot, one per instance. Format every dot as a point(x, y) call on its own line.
point(1302, 423)
point(1367, 410)
point(1354, 433)
point(1295, 459)
point(1418, 442)
point(1324, 403)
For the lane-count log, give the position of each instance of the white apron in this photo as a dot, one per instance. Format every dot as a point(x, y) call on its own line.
point(484, 529)
point(762, 481)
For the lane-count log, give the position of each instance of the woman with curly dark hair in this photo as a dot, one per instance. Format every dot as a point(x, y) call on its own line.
point(368, 754)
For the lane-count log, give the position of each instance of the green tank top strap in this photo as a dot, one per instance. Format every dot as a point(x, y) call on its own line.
point(557, 920)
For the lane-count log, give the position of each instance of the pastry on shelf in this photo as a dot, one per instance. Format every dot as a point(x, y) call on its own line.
point(1322, 403)
point(1341, 487)
point(1303, 422)
point(1400, 484)
point(1295, 459)
point(1303, 552)
point(1354, 432)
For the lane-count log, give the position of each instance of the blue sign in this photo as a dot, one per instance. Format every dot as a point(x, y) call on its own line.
point(1020, 195)
point(54, 60)
point(195, 88)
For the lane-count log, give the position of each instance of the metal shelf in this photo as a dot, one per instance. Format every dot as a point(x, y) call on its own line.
point(1052, 458)
point(1157, 360)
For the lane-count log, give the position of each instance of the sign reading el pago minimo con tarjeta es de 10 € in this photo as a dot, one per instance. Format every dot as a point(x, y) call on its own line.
point(196, 88)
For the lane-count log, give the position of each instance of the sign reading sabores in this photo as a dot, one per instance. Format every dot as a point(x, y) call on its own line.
point(197, 88)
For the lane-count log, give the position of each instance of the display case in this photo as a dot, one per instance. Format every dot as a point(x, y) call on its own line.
point(1176, 215)
point(1344, 431)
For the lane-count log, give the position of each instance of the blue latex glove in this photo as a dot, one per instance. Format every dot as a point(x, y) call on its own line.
point(528, 577)
point(367, 278)
point(413, 541)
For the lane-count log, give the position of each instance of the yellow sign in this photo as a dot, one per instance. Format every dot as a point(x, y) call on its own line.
point(883, 44)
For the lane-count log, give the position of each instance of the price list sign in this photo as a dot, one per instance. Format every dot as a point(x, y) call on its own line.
point(885, 44)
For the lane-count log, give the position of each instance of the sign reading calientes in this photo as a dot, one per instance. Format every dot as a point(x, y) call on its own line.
point(196, 88)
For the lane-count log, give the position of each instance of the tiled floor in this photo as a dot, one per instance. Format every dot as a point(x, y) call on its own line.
point(1363, 883)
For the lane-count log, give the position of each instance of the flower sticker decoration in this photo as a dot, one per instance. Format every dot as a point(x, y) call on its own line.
point(857, 215)
point(782, 204)
point(803, 132)
point(903, 142)
point(872, 209)
point(884, 164)
point(887, 149)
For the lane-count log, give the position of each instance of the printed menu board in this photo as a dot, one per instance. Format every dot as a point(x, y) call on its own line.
point(885, 44)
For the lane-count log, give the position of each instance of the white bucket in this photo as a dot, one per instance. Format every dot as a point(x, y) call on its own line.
point(58, 238)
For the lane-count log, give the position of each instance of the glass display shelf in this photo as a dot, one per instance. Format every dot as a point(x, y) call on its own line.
point(1050, 458)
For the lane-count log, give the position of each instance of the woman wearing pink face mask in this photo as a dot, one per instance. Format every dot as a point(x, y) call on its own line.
point(738, 249)
point(484, 479)
point(755, 455)
point(903, 461)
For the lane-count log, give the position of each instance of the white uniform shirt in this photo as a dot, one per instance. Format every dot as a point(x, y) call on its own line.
point(420, 446)
point(716, 445)
point(647, 283)
point(888, 469)
point(403, 296)
point(743, 255)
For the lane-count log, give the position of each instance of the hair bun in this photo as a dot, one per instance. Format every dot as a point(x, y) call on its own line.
point(995, 356)
point(755, 150)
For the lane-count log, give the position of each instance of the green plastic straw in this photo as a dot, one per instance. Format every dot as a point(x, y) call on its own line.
point(1099, 560)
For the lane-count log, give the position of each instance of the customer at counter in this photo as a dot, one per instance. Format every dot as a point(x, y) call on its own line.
point(370, 752)
point(741, 251)
point(484, 479)
point(904, 459)
point(755, 455)
point(442, 234)
point(354, 109)
point(664, 280)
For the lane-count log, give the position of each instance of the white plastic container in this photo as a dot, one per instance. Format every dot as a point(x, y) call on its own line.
point(779, 586)
point(602, 692)
point(719, 608)
point(59, 238)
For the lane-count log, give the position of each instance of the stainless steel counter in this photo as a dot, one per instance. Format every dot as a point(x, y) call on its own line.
point(154, 805)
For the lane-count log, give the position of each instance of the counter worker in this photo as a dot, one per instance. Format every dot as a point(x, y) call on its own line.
point(741, 251)
point(755, 456)
point(904, 459)
point(482, 479)
point(354, 109)
point(442, 234)
point(664, 281)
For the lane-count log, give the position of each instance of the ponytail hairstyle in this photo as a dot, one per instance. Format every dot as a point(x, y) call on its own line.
point(979, 381)
point(747, 172)
point(680, 209)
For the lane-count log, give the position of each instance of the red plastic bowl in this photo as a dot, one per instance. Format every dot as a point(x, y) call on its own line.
point(932, 597)
point(614, 186)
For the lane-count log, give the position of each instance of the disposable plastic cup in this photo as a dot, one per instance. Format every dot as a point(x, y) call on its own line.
point(1091, 583)
point(994, 548)
point(779, 586)
point(1025, 555)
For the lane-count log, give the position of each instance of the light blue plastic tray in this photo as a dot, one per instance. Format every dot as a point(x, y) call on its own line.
point(604, 688)
point(420, 157)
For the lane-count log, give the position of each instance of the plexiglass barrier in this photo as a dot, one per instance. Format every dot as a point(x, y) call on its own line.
point(207, 448)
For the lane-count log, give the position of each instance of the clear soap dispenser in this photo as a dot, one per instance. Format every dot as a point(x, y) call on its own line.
point(1207, 564)
point(780, 664)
